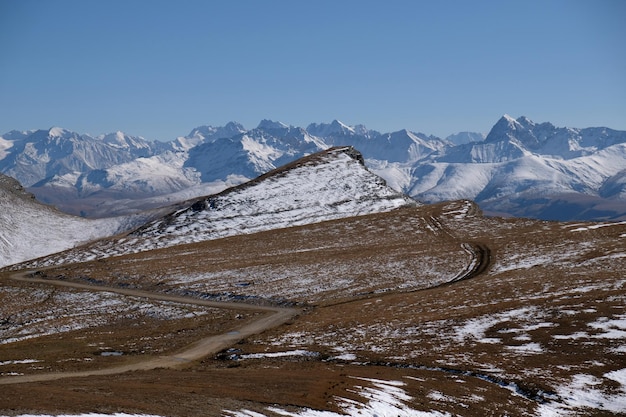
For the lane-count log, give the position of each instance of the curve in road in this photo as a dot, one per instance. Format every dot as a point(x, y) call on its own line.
point(197, 350)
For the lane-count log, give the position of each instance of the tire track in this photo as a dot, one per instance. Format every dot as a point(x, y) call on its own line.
point(481, 260)
point(479, 252)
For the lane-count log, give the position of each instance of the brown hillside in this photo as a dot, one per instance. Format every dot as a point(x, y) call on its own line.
point(474, 316)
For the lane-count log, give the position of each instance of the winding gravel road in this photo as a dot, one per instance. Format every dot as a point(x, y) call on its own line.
point(197, 350)
point(481, 259)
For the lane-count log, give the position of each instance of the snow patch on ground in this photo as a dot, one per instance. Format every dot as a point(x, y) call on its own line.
point(305, 353)
point(584, 392)
point(603, 328)
point(23, 361)
point(527, 349)
point(593, 226)
point(380, 398)
point(460, 213)
point(612, 328)
point(476, 328)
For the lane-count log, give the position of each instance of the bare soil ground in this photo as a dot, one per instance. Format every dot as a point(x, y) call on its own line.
point(476, 316)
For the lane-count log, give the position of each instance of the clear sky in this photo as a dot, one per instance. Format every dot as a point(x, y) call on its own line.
point(160, 68)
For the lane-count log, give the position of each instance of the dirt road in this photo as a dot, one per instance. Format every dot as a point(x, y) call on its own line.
point(480, 261)
point(197, 350)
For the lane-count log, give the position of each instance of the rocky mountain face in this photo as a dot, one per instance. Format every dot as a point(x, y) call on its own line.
point(520, 168)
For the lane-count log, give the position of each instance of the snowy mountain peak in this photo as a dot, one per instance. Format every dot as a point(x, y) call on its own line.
point(336, 124)
point(525, 121)
point(58, 132)
point(327, 185)
point(549, 140)
point(266, 124)
point(522, 132)
point(17, 135)
point(209, 133)
point(334, 128)
point(121, 140)
point(116, 138)
point(503, 129)
point(508, 118)
point(234, 127)
point(119, 136)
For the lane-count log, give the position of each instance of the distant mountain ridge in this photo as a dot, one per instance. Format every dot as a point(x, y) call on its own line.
point(520, 168)
point(532, 170)
point(33, 156)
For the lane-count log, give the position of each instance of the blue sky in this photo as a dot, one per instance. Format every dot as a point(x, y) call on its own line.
point(160, 68)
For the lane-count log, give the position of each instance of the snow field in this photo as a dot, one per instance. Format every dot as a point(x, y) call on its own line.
point(585, 391)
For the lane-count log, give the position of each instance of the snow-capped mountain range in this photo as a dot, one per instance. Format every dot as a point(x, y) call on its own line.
point(519, 169)
point(531, 170)
point(37, 155)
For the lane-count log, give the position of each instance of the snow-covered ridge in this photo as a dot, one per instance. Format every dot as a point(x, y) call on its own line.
point(332, 184)
point(327, 185)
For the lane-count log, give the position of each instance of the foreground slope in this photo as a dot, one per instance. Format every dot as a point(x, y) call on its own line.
point(328, 185)
point(427, 310)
